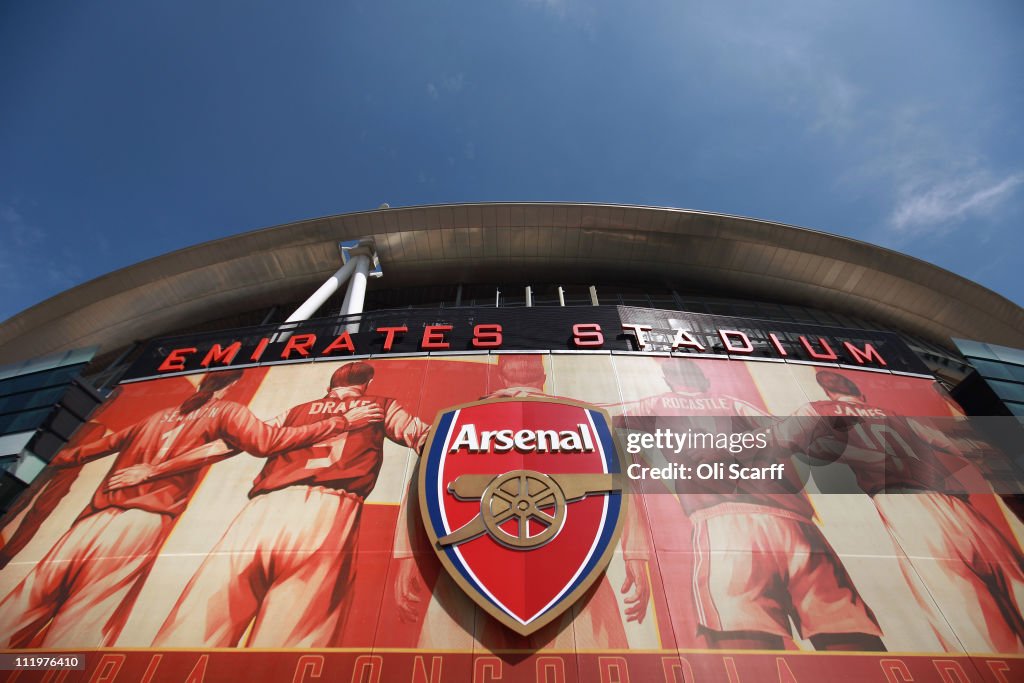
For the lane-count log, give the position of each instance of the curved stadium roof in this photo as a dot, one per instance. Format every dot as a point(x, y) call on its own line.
point(516, 242)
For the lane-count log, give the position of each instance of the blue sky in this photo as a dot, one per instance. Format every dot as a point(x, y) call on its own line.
point(131, 129)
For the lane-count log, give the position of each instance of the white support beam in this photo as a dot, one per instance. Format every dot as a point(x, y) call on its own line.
point(359, 259)
point(356, 294)
point(314, 302)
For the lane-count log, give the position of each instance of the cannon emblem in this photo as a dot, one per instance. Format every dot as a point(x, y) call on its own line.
point(525, 500)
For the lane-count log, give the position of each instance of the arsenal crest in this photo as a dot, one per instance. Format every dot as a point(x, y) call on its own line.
point(522, 501)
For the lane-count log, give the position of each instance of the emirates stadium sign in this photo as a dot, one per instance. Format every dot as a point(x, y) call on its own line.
point(584, 329)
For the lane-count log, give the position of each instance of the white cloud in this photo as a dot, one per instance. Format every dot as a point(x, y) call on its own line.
point(934, 182)
point(559, 7)
point(935, 206)
point(453, 83)
point(28, 261)
point(575, 13)
point(781, 63)
point(448, 85)
point(921, 161)
point(15, 230)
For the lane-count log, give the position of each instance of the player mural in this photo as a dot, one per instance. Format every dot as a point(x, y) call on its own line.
point(760, 562)
point(83, 589)
point(285, 564)
point(255, 524)
point(907, 466)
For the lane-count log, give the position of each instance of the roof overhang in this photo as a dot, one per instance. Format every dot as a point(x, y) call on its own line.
point(516, 242)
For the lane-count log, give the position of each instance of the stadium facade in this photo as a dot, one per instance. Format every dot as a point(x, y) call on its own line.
point(270, 486)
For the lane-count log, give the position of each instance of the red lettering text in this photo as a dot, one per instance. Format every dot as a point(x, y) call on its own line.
point(175, 360)
point(638, 332)
point(785, 673)
point(107, 669)
point(730, 669)
point(260, 348)
point(827, 354)
point(866, 355)
point(154, 662)
point(487, 336)
point(419, 670)
point(550, 670)
point(301, 343)
point(433, 337)
point(486, 669)
point(895, 670)
point(224, 356)
point(198, 673)
point(676, 670)
point(742, 346)
point(389, 335)
point(684, 339)
point(367, 669)
point(998, 669)
point(777, 344)
point(587, 335)
point(950, 671)
point(613, 669)
point(308, 666)
point(343, 342)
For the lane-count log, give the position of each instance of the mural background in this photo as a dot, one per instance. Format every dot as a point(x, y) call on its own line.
point(407, 621)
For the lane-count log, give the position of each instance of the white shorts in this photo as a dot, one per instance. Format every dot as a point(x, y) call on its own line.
point(971, 571)
point(285, 565)
point(755, 568)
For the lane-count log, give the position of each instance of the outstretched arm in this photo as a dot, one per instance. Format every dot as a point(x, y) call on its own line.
point(636, 553)
point(112, 443)
point(409, 589)
point(200, 456)
point(245, 432)
point(404, 428)
point(261, 437)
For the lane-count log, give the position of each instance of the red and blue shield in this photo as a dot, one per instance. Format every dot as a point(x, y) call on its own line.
point(522, 500)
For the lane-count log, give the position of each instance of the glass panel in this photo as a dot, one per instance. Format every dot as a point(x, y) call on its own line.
point(79, 356)
point(1016, 408)
point(31, 399)
point(1008, 391)
point(973, 348)
point(1005, 353)
point(20, 422)
point(992, 370)
point(38, 380)
point(28, 467)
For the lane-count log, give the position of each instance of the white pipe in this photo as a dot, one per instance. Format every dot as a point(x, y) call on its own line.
point(313, 303)
point(356, 294)
point(347, 301)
